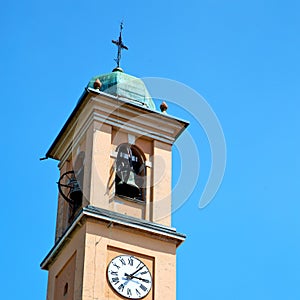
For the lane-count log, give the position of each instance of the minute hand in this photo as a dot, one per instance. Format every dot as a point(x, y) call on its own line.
point(139, 269)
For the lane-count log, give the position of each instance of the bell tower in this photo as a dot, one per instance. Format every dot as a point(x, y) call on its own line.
point(114, 238)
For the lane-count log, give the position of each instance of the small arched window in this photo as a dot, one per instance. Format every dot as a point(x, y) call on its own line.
point(130, 172)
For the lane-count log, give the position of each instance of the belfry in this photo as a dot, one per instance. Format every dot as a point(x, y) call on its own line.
point(114, 238)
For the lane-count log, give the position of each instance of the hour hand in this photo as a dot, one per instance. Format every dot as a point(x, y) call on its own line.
point(139, 278)
point(145, 280)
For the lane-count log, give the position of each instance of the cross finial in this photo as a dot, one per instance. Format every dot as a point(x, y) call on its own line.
point(120, 45)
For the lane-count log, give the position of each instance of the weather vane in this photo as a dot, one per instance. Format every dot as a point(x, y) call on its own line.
point(120, 45)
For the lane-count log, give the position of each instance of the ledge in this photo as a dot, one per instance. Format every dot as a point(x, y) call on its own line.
point(149, 123)
point(168, 233)
point(129, 221)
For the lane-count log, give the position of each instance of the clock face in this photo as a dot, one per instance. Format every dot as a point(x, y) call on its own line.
point(129, 277)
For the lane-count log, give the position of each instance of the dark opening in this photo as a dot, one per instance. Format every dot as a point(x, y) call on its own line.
point(76, 194)
point(130, 172)
point(66, 289)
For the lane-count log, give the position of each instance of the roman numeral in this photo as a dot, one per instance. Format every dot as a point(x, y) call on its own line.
point(142, 287)
point(129, 292)
point(121, 287)
point(130, 261)
point(114, 273)
point(114, 264)
point(122, 261)
point(145, 272)
point(115, 280)
point(137, 292)
point(139, 264)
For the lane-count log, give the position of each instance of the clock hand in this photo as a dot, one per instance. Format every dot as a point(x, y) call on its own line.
point(145, 280)
point(132, 276)
point(137, 270)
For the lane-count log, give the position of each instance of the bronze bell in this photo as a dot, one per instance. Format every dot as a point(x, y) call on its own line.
point(128, 187)
point(75, 191)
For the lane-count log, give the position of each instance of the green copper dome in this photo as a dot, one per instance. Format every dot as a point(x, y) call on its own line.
point(124, 86)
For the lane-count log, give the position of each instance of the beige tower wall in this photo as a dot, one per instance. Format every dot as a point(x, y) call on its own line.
point(57, 277)
point(101, 165)
point(162, 183)
point(88, 251)
point(103, 243)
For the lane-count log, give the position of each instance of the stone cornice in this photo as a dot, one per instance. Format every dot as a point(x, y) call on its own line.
point(108, 109)
point(109, 217)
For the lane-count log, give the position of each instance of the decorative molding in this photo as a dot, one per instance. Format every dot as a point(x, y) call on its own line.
point(110, 217)
point(113, 111)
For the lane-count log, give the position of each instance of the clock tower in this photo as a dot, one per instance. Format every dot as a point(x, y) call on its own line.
point(114, 238)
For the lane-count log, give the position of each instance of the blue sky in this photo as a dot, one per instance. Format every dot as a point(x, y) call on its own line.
point(241, 56)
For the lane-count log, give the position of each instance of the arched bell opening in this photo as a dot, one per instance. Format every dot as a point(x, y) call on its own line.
point(130, 172)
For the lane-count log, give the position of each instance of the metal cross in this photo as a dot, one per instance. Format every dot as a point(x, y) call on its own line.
point(120, 45)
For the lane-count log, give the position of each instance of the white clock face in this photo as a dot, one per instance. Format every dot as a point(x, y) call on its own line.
point(129, 277)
